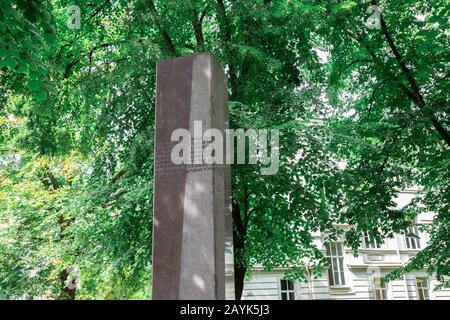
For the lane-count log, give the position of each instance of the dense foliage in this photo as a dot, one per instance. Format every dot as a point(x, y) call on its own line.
point(77, 120)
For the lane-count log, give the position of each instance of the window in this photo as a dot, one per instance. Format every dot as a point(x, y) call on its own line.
point(412, 238)
point(422, 288)
point(287, 290)
point(335, 256)
point(379, 288)
point(370, 243)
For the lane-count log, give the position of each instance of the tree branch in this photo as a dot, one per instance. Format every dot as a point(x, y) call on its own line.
point(415, 99)
point(118, 176)
point(246, 212)
point(69, 68)
point(236, 214)
point(388, 152)
point(357, 61)
point(203, 14)
point(166, 38)
point(418, 98)
point(53, 180)
point(398, 57)
point(197, 26)
point(84, 54)
point(372, 99)
point(100, 8)
point(353, 62)
point(375, 58)
point(226, 39)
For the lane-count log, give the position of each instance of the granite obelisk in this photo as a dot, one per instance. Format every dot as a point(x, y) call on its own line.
point(192, 231)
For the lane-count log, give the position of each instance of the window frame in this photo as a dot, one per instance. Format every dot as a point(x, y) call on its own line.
point(384, 290)
point(409, 240)
point(427, 288)
point(340, 263)
point(287, 291)
point(369, 244)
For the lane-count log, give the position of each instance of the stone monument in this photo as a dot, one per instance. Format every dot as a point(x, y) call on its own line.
point(192, 225)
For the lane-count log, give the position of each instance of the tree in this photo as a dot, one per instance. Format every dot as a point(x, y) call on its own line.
point(392, 127)
point(77, 133)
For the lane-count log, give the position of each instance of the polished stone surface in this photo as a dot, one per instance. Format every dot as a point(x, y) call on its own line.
point(192, 228)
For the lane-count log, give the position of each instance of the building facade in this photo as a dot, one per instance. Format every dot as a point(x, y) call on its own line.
point(357, 277)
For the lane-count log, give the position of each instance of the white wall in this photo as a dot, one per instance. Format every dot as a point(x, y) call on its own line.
point(266, 286)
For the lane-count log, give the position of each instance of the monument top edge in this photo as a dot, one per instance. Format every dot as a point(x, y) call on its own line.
point(191, 56)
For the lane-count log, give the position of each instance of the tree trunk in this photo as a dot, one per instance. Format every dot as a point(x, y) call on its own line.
point(239, 266)
point(239, 275)
point(239, 234)
point(165, 36)
point(67, 291)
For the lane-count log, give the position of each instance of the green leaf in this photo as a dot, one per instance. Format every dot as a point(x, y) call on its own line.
point(34, 85)
point(3, 52)
point(43, 71)
point(346, 5)
point(421, 48)
point(50, 37)
point(22, 68)
point(46, 16)
point(34, 75)
point(11, 62)
point(31, 14)
point(41, 96)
